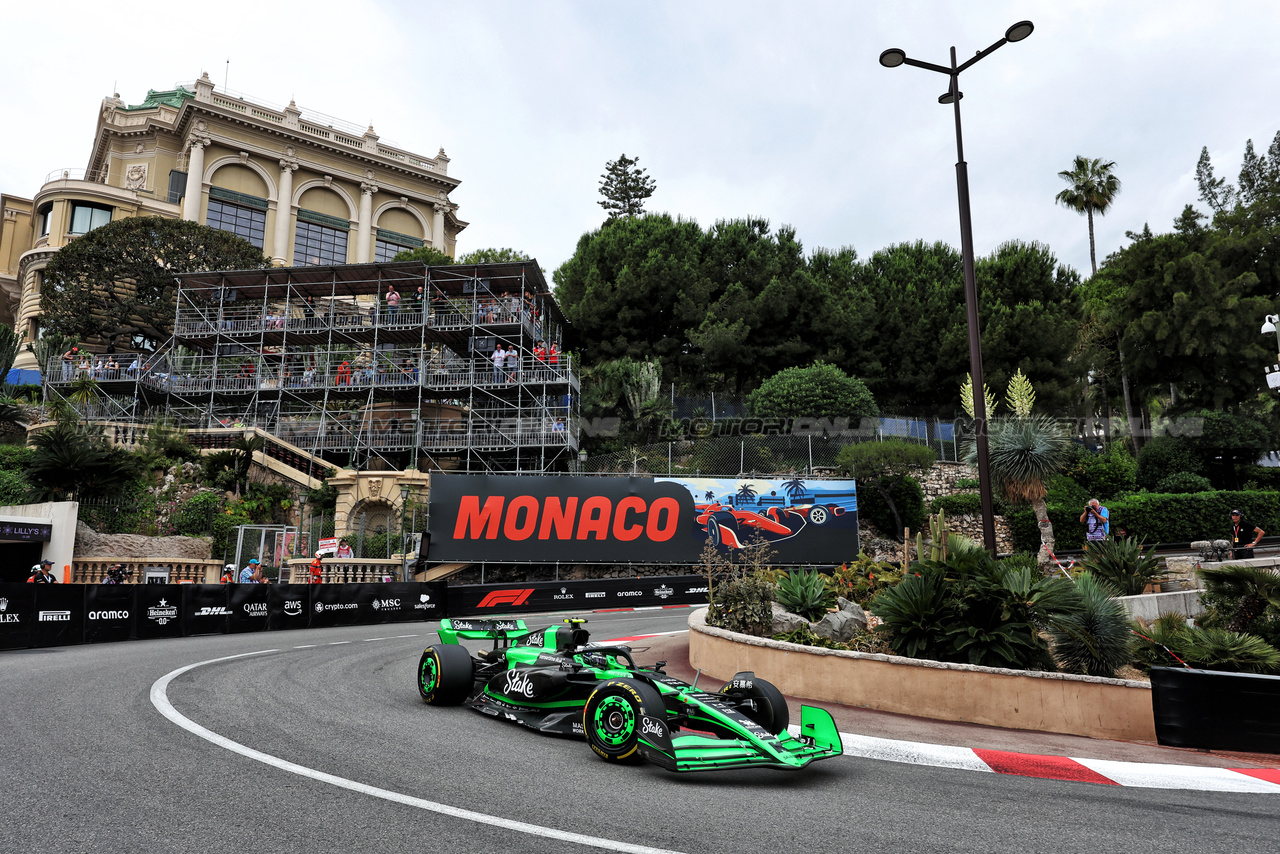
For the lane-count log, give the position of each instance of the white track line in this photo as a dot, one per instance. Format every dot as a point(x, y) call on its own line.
point(160, 699)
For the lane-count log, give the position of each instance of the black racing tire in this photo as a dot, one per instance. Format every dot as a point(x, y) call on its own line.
point(761, 702)
point(445, 674)
point(713, 530)
point(611, 718)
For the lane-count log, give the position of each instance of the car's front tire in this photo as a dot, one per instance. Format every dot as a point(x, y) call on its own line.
point(611, 718)
point(445, 674)
point(761, 702)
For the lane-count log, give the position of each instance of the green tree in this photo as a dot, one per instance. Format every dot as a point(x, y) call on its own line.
point(883, 466)
point(73, 461)
point(494, 256)
point(625, 187)
point(428, 255)
point(1093, 187)
point(118, 281)
point(818, 391)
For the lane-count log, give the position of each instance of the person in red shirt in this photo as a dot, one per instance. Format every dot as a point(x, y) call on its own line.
point(317, 567)
point(553, 355)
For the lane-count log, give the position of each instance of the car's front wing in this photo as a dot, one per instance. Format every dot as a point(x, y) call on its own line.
point(681, 751)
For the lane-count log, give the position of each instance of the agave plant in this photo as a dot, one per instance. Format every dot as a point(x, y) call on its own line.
point(1123, 564)
point(1096, 640)
point(805, 592)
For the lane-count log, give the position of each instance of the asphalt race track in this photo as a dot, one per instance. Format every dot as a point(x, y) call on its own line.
point(317, 741)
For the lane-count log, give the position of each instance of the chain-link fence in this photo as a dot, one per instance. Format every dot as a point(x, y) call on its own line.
point(810, 448)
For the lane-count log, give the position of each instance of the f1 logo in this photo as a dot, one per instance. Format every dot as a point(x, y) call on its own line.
point(505, 597)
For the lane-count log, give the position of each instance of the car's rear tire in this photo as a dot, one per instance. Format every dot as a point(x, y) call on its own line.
point(445, 674)
point(611, 718)
point(761, 702)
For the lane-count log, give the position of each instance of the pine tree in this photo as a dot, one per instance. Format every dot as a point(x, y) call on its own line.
point(625, 187)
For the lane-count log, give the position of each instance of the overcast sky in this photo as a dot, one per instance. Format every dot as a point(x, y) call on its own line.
point(734, 108)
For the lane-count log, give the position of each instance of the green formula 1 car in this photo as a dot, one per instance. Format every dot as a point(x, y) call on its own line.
point(555, 680)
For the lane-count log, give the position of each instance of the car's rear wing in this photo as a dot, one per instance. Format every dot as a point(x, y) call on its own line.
point(509, 630)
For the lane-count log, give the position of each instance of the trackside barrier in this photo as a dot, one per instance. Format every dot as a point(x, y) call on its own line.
point(37, 615)
point(595, 594)
point(1214, 710)
point(34, 615)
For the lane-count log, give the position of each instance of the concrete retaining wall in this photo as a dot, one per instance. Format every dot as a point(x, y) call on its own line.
point(1046, 702)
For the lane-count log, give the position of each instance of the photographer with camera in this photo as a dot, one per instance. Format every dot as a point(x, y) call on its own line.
point(1097, 522)
point(117, 574)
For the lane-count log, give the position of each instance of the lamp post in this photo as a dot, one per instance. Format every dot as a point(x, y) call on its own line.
point(892, 58)
point(404, 551)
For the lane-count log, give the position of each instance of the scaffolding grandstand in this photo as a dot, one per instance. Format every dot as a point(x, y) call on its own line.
point(323, 361)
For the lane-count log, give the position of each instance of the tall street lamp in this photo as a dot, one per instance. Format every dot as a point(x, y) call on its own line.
point(404, 551)
point(892, 58)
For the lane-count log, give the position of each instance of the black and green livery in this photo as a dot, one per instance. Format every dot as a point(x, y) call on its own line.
point(556, 680)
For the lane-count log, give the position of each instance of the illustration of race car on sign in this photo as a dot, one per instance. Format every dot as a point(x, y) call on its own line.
point(555, 680)
point(733, 513)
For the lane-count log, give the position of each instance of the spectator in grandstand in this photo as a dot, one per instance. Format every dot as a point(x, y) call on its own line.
point(393, 301)
point(69, 360)
point(513, 363)
point(499, 358)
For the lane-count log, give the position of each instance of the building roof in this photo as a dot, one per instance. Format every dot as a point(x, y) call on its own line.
point(171, 97)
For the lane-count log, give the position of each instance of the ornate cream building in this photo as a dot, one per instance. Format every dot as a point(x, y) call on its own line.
point(305, 188)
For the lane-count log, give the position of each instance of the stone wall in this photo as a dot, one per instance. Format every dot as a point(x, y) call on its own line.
point(126, 546)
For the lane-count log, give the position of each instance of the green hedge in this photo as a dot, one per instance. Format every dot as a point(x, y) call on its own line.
point(959, 504)
point(1154, 517)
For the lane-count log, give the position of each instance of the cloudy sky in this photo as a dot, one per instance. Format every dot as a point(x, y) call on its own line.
point(735, 108)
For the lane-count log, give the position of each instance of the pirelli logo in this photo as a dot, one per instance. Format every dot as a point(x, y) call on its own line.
point(506, 597)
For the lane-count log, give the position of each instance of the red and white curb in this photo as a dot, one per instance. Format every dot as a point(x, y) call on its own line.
point(1106, 772)
point(1145, 775)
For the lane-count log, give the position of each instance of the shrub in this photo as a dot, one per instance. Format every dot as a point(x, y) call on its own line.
point(964, 503)
point(805, 592)
point(1153, 644)
point(195, 517)
point(1122, 564)
point(915, 611)
point(907, 496)
point(1062, 490)
point(742, 605)
point(860, 580)
point(1183, 482)
point(968, 483)
point(1242, 599)
point(1162, 456)
point(1219, 649)
point(1104, 475)
point(1096, 641)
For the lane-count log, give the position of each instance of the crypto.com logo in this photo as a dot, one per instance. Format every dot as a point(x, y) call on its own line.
point(505, 597)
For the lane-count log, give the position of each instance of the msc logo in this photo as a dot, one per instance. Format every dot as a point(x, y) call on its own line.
point(505, 597)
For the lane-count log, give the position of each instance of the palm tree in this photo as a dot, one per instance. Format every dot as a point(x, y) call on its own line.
point(1023, 453)
point(1093, 188)
point(745, 493)
point(794, 487)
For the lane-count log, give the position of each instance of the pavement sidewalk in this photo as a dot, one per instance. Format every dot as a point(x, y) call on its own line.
point(674, 649)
